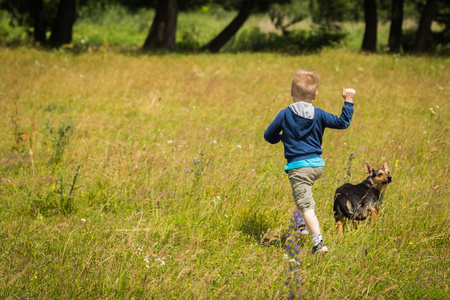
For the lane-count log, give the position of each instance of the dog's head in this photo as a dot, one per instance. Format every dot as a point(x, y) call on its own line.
point(380, 177)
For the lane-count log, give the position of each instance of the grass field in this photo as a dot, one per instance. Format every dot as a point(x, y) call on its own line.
point(147, 177)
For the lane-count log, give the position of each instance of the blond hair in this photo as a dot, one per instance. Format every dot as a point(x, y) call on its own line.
point(305, 85)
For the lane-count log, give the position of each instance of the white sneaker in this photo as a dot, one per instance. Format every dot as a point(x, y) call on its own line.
point(320, 247)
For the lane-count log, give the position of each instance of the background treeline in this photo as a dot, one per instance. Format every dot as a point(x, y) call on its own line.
point(156, 24)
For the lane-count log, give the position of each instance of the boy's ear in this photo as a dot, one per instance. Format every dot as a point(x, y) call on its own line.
point(368, 168)
point(385, 167)
point(315, 95)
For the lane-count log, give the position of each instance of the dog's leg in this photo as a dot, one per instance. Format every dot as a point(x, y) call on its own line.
point(355, 223)
point(339, 226)
point(374, 214)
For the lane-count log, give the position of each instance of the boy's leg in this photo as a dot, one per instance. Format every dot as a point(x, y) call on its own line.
point(302, 180)
point(311, 221)
point(314, 230)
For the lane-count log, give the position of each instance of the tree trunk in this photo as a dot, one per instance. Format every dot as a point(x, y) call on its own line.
point(162, 33)
point(37, 13)
point(370, 35)
point(222, 38)
point(423, 32)
point(62, 28)
point(395, 33)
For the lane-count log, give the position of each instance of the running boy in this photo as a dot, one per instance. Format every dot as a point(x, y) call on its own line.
point(300, 127)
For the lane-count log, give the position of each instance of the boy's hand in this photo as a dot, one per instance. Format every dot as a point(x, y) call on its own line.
point(348, 95)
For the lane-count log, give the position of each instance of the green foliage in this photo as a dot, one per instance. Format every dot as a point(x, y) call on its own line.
point(112, 26)
point(284, 16)
point(125, 26)
point(10, 31)
point(295, 41)
point(326, 12)
point(189, 39)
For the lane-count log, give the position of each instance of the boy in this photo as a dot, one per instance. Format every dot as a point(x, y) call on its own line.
point(302, 126)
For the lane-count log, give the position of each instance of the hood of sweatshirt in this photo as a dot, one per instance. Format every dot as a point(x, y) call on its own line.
point(300, 118)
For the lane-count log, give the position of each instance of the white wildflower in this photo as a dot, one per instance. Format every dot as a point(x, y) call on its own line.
point(286, 257)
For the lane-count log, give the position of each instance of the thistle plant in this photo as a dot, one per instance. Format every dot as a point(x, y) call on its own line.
point(196, 171)
point(293, 281)
point(60, 198)
point(348, 169)
point(60, 139)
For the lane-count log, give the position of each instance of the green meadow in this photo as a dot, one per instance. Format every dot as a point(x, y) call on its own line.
point(128, 176)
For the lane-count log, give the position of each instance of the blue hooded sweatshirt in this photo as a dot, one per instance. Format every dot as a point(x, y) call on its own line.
point(300, 127)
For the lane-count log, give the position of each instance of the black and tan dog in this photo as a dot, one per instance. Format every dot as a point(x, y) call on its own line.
point(357, 202)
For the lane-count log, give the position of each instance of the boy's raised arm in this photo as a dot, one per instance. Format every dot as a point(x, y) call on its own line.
point(343, 121)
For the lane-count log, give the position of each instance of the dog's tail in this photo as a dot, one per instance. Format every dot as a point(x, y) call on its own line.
point(345, 210)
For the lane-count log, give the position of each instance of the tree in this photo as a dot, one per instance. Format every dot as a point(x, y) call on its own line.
point(395, 33)
point(63, 25)
point(223, 37)
point(39, 25)
point(162, 33)
point(424, 30)
point(370, 34)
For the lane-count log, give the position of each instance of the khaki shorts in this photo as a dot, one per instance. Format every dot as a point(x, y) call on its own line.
point(302, 180)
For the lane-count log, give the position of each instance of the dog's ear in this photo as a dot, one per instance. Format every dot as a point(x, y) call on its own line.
point(385, 167)
point(368, 168)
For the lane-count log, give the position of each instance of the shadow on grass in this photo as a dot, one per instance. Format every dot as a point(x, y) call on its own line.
point(258, 228)
point(251, 40)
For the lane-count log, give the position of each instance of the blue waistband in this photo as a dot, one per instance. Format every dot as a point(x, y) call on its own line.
point(309, 162)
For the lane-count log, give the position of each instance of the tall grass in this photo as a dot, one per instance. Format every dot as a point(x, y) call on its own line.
point(170, 191)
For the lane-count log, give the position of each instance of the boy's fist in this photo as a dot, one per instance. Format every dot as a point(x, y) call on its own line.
point(348, 94)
